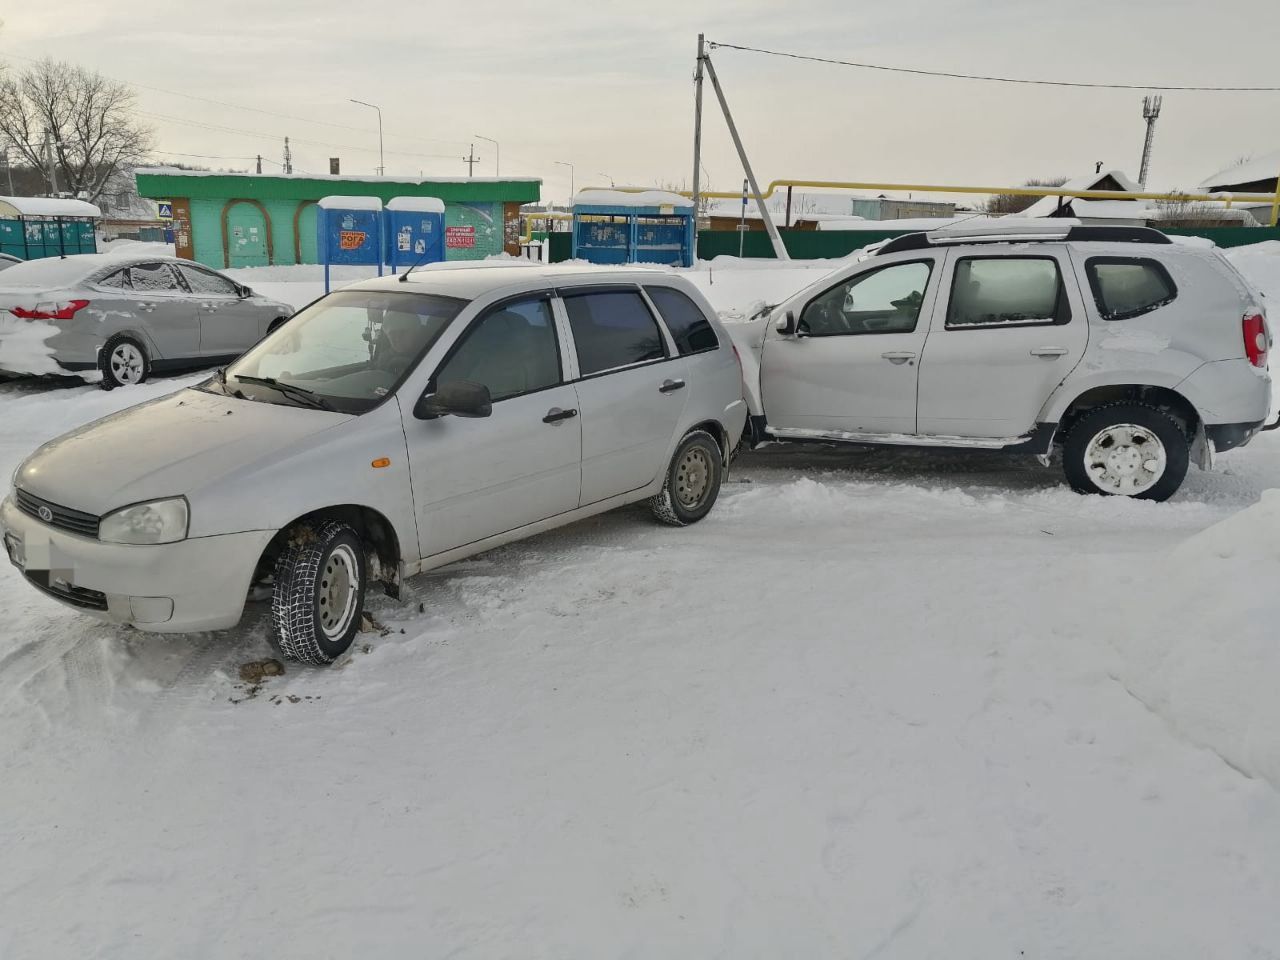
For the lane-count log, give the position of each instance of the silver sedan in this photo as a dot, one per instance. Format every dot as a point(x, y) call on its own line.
point(126, 317)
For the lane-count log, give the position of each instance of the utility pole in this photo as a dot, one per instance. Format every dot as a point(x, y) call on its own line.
point(8, 166)
point(697, 127)
point(259, 163)
point(565, 163)
point(742, 227)
point(497, 154)
point(779, 248)
point(471, 161)
point(288, 157)
point(52, 169)
point(1150, 111)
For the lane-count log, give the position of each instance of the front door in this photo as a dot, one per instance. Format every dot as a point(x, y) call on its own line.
point(850, 367)
point(164, 311)
point(476, 478)
point(1009, 331)
point(246, 239)
point(229, 325)
point(632, 390)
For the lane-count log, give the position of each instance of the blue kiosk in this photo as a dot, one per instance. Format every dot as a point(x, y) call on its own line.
point(414, 231)
point(349, 231)
point(652, 226)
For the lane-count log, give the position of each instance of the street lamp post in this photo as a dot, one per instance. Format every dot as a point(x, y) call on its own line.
point(382, 168)
point(565, 163)
point(607, 177)
point(497, 160)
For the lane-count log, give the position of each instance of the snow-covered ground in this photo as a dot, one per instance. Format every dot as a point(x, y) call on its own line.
point(878, 704)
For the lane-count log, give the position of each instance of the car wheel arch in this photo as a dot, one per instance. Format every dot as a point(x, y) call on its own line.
point(1155, 395)
point(376, 531)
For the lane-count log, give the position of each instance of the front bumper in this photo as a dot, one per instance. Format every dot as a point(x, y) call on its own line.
point(195, 584)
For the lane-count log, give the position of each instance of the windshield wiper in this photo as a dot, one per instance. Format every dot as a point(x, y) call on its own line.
point(290, 390)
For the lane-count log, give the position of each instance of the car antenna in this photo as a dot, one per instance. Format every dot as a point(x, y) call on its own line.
point(404, 278)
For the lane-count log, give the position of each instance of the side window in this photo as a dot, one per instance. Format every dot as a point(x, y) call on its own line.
point(612, 328)
point(883, 301)
point(1006, 292)
point(1124, 287)
point(115, 281)
point(511, 350)
point(201, 281)
point(153, 278)
point(689, 328)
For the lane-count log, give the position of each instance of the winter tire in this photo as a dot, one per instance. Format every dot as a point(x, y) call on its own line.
point(692, 482)
point(1127, 450)
point(319, 592)
point(123, 361)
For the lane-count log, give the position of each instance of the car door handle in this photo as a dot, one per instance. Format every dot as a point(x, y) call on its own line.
point(1050, 352)
point(209, 306)
point(555, 415)
point(148, 307)
point(898, 356)
point(671, 386)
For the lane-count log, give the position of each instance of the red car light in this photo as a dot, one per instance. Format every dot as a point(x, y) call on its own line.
point(50, 311)
point(1256, 338)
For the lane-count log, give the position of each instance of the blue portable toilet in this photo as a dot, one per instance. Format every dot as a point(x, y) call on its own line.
point(651, 226)
point(414, 231)
point(349, 231)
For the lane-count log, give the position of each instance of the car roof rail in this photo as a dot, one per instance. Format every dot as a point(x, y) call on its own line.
point(1023, 233)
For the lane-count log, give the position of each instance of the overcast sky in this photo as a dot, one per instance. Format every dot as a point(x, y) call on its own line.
point(607, 86)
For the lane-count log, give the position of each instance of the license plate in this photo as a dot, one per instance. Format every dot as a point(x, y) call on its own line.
point(13, 546)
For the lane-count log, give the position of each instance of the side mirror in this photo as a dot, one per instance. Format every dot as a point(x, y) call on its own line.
point(461, 398)
point(786, 324)
point(244, 292)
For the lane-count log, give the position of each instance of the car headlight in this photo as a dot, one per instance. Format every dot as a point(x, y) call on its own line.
point(157, 521)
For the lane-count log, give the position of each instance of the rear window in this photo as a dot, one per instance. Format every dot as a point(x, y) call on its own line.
point(612, 328)
point(689, 326)
point(1006, 292)
point(1126, 287)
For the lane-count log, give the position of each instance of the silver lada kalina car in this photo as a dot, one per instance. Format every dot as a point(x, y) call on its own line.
point(389, 428)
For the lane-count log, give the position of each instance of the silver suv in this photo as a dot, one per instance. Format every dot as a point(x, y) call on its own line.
point(1132, 353)
point(389, 428)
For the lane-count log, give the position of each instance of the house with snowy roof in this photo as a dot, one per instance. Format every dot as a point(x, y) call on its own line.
point(1118, 212)
point(1252, 175)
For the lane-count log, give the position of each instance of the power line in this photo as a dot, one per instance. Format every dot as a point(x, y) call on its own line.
point(974, 76)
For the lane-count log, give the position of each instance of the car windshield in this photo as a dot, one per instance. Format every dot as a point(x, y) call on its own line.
point(345, 352)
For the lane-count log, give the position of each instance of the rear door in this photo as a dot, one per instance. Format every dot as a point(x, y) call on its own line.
point(164, 311)
point(476, 478)
point(229, 325)
point(850, 367)
point(1008, 330)
point(632, 388)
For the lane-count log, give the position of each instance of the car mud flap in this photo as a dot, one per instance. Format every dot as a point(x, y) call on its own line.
point(1202, 452)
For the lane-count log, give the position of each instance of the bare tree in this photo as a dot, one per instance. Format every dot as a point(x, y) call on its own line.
point(85, 119)
point(1002, 204)
point(1189, 214)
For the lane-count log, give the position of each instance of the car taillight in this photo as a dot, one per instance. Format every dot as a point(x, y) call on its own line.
point(1256, 338)
point(50, 311)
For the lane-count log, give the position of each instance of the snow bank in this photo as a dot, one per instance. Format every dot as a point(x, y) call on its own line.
point(23, 348)
point(1197, 639)
point(338, 202)
point(1260, 263)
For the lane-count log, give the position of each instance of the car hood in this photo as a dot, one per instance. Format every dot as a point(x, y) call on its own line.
point(169, 447)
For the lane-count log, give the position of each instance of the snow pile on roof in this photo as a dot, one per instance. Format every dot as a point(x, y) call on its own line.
point(175, 172)
point(46, 207)
point(51, 273)
point(1265, 167)
point(416, 204)
point(623, 198)
point(349, 203)
point(1046, 206)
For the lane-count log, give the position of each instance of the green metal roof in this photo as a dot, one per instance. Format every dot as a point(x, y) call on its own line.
point(198, 185)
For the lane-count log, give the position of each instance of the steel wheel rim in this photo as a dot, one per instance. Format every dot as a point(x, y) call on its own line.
point(337, 591)
point(1125, 459)
point(693, 477)
point(126, 363)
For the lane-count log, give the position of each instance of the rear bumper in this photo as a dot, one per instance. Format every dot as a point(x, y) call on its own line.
point(1227, 436)
point(196, 584)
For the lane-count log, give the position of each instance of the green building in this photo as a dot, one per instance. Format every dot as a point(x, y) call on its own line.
point(257, 220)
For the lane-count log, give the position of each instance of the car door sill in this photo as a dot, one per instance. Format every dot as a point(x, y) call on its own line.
point(897, 439)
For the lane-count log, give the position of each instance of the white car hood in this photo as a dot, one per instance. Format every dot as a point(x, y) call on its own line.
point(166, 448)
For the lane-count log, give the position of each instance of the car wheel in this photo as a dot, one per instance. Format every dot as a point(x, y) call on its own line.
point(1126, 450)
point(123, 361)
point(318, 597)
point(692, 482)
